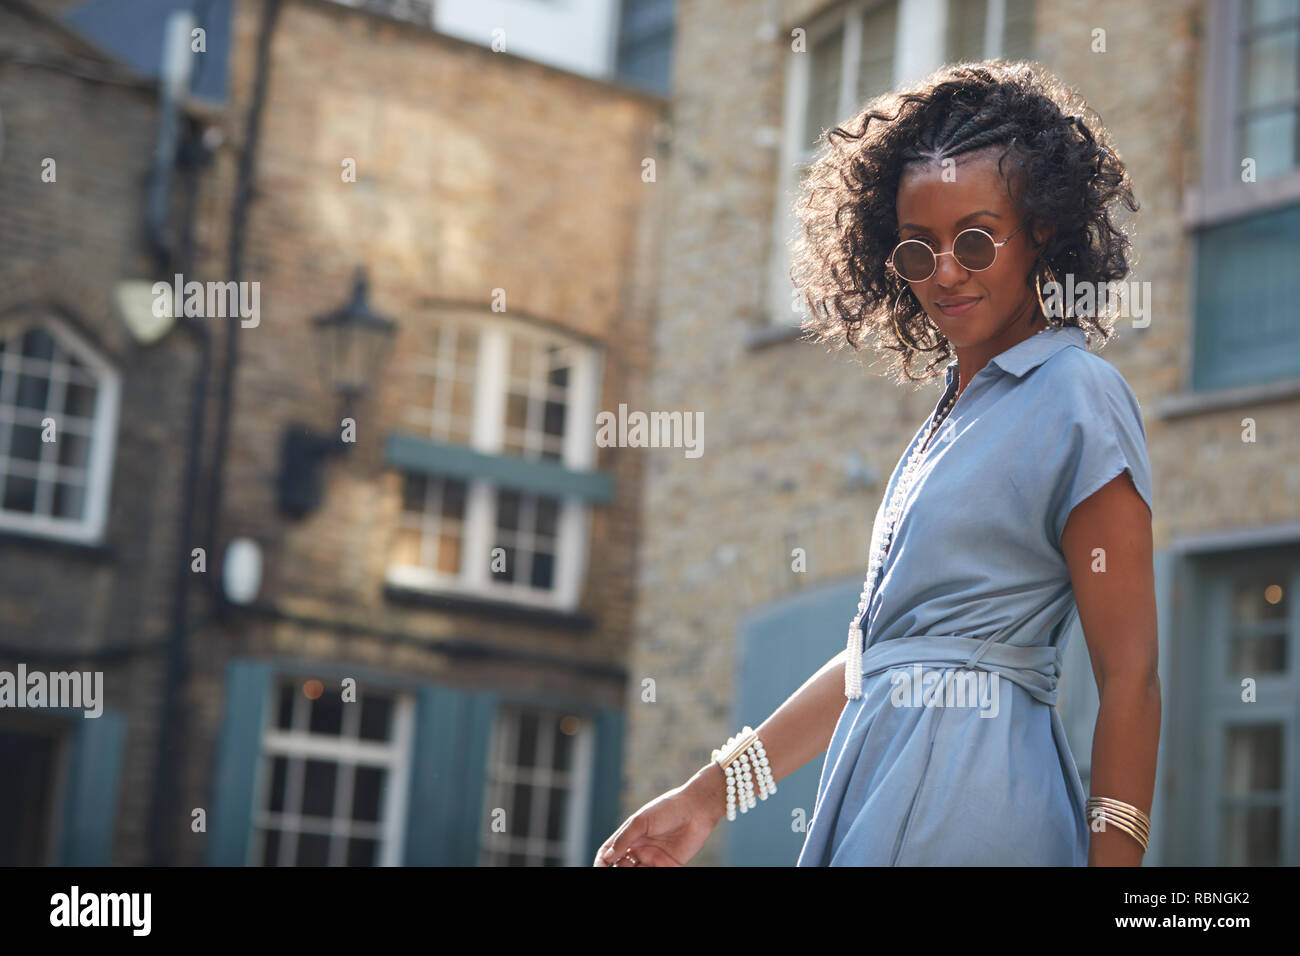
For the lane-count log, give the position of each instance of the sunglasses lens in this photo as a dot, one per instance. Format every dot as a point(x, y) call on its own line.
point(914, 260)
point(974, 250)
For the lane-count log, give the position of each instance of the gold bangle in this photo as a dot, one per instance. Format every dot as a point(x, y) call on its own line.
point(1126, 810)
point(735, 747)
point(1128, 818)
point(1109, 815)
point(1125, 822)
point(1119, 825)
point(1117, 803)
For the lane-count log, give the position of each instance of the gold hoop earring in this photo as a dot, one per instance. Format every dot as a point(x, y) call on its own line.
point(893, 318)
point(1052, 322)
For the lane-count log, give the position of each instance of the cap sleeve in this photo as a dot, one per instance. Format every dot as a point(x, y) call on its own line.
point(1105, 438)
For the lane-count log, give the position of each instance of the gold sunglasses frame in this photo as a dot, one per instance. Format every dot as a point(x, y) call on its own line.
point(889, 263)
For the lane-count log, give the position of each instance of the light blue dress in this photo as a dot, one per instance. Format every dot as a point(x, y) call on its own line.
point(974, 583)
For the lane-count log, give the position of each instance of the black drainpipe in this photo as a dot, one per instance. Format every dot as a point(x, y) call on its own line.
point(239, 216)
point(167, 821)
point(179, 142)
point(171, 729)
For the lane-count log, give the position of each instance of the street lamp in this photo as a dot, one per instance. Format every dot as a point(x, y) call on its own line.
point(352, 343)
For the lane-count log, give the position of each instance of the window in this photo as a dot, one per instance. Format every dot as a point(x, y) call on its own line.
point(1251, 805)
point(1245, 211)
point(1266, 104)
point(525, 531)
point(133, 33)
point(444, 402)
point(849, 61)
point(537, 398)
point(58, 416)
point(982, 29)
point(645, 44)
point(519, 394)
point(332, 788)
point(1246, 327)
point(540, 775)
point(431, 533)
point(860, 51)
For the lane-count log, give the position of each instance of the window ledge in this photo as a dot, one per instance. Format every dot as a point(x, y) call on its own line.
point(1195, 403)
point(67, 546)
point(1204, 207)
point(762, 337)
point(490, 607)
point(430, 456)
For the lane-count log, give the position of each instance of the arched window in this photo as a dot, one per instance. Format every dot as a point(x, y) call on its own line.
point(58, 421)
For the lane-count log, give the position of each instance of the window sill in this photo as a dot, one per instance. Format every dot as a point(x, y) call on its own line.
point(67, 546)
point(428, 456)
point(1204, 208)
point(1195, 403)
point(489, 607)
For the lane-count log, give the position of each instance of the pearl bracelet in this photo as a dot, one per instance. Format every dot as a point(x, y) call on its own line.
point(742, 759)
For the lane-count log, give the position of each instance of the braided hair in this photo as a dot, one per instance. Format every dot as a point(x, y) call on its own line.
point(1063, 172)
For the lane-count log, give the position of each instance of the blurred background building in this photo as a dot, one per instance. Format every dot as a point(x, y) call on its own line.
point(801, 444)
point(499, 267)
point(389, 478)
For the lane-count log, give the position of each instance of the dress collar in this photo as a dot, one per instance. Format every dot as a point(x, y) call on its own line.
point(1031, 353)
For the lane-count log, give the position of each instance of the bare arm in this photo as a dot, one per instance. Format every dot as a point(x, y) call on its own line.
point(1117, 609)
point(797, 731)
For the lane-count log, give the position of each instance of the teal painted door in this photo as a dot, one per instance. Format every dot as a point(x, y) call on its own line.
point(778, 649)
point(248, 686)
point(90, 808)
point(453, 730)
point(607, 777)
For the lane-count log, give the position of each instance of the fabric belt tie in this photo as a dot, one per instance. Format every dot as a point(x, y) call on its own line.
point(1037, 669)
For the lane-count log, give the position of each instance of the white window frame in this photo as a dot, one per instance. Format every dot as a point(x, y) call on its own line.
point(578, 815)
point(488, 436)
point(90, 527)
point(919, 48)
point(392, 756)
point(1219, 695)
point(1220, 195)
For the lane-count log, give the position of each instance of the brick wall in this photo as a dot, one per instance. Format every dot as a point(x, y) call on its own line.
point(475, 171)
point(64, 244)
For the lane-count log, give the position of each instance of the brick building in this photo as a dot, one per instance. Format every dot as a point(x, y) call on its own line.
point(88, 524)
point(462, 555)
point(800, 444)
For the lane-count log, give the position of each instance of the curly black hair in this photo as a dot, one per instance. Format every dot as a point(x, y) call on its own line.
point(1067, 174)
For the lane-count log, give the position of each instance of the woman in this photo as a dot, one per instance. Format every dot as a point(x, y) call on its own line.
point(935, 226)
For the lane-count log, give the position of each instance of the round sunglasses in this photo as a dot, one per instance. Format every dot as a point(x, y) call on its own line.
point(974, 249)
